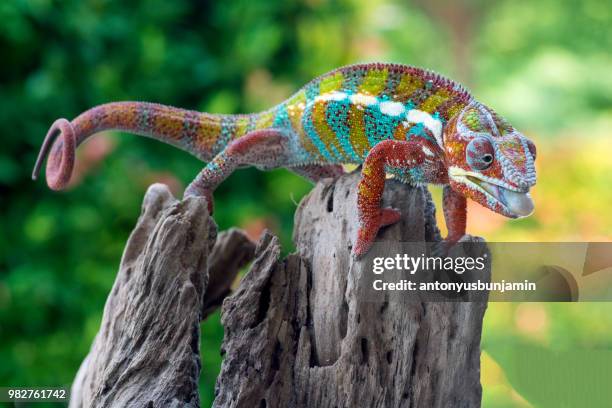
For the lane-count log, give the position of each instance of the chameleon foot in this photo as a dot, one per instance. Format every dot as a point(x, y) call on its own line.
point(193, 190)
point(368, 230)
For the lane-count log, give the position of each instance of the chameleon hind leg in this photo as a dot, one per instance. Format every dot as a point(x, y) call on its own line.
point(389, 153)
point(316, 172)
point(266, 148)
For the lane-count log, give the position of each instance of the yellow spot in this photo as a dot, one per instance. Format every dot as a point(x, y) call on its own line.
point(296, 99)
point(400, 132)
point(331, 83)
point(349, 168)
point(364, 190)
point(433, 101)
point(209, 130)
point(131, 115)
point(454, 110)
point(357, 135)
point(168, 123)
point(242, 124)
point(406, 87)
point(374, 82)
point(265, 120)
point(366, 171)
point(454, 147)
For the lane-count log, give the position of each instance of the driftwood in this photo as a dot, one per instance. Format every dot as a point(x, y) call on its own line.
point(298, 332)
point(147, 350)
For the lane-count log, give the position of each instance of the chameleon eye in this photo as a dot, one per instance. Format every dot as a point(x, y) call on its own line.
point(479, 153)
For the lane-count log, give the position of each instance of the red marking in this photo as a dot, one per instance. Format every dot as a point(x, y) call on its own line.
point(455, 214)
point(371, 217)
point(244, 144)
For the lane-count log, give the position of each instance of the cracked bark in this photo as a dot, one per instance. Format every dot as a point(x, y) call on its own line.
point(298, 332)
point(146, 353)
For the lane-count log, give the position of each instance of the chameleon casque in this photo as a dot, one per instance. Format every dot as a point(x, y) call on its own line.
point(409, 122)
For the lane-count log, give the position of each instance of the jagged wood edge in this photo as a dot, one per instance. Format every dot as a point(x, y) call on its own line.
point(147, 350)
point(300, 332)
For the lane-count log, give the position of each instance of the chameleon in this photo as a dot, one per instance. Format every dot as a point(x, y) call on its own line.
point(391, 119)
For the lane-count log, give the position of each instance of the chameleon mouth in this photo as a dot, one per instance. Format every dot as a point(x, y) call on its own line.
point(515, 202)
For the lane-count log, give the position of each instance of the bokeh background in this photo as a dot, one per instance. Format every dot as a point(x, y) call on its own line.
point(544, 64)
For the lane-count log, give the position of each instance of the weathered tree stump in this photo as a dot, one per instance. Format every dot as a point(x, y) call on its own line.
point(147, 352)
point(298, 332)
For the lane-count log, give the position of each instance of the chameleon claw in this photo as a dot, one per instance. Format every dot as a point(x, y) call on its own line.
point(368, 230)
point(60, 147)
point(195, 191)
point(365, 239)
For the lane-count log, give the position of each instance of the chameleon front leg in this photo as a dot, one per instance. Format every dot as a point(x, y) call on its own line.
point(267, 148)
point(455, 214)
point(389, 153)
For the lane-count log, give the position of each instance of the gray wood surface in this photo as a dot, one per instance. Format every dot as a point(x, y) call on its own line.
point(299, 331)
point(147, 352)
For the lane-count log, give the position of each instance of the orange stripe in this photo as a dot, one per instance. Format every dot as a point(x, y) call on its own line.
point(295, 111)
point(168, 122)
point(399, 133)
point(209, 131)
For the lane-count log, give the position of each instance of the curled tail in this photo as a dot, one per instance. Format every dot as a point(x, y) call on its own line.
point(200, 134)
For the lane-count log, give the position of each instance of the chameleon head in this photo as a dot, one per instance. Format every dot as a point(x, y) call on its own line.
point(489, 161)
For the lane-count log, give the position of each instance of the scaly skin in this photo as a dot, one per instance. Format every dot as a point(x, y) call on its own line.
point(412, 123)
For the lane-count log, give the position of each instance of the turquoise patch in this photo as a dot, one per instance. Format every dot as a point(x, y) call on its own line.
point(378, 126)
point(282, 118)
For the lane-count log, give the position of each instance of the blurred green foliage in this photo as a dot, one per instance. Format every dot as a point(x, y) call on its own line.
point(545, 65)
